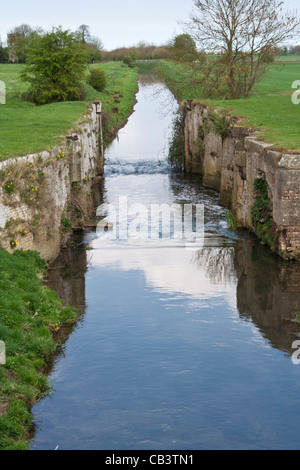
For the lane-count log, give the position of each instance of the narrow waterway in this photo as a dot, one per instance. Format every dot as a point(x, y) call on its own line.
point(176, 348)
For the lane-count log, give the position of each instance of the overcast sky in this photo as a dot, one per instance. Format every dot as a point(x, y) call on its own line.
point(116, 22)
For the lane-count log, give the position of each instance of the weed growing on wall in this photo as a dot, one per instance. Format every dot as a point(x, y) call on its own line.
point(261, 214)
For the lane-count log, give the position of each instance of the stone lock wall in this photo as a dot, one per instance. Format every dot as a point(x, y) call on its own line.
point(43, 196)
point(229, 158)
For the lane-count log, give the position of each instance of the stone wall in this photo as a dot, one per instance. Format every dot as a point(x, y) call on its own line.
point(44, 196)
point(230, 158)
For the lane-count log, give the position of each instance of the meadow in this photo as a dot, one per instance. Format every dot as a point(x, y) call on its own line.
point(26, 128)
point(269, 110)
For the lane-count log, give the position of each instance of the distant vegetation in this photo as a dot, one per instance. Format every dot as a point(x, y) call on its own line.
point(142, 51)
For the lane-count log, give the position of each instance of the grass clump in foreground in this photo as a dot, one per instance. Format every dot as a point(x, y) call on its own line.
point(26, 128)
point(269, 109)
point(30, 317)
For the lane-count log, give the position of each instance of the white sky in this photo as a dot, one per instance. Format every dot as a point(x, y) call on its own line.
point(116, 22)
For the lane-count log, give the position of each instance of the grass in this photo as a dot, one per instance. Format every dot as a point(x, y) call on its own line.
point(30, 317)
point(25, 128)
point(118, 98)
point(269, 109)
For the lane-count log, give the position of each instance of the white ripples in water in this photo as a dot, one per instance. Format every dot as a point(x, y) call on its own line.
point(134, 167)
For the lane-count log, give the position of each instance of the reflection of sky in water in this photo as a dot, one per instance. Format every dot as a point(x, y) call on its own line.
point(163, 358)
point(175, 271)
point(142, 138)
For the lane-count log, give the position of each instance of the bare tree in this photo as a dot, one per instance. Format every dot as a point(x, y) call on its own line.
point(84, 31)
point(237, 40)
point(17, 41)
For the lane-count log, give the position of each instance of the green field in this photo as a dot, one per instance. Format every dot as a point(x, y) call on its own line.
point(26, 128)
point(31, 318)
point(269, 108)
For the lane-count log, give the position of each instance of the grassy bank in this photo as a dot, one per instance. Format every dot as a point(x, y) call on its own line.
point(118, 98)
point(269, 108)
point(26, 128)
point(31, 317)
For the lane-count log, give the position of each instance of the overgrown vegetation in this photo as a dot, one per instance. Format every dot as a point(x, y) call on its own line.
point(177, 143)
point(261, 214)
point(31, 317)
point(260, 211)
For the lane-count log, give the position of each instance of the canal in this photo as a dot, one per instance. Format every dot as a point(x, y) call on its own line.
point(176, 348)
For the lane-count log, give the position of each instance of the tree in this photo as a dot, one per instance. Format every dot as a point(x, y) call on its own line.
point(55, 67)
point(84, 32)
point(17, 41)
point(184, 48)
point(94, 45)
point(94, 48)
point(237, 40)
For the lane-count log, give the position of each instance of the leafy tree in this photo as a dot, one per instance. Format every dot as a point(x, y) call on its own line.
point(237, 39)
point(55, 68)
point(184, 48)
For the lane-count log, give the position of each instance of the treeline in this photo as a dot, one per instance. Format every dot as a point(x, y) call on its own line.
point(18, 42)
point(142, 51)
point(287, 50)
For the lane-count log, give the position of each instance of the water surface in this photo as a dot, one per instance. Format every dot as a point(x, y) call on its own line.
point(175, 349)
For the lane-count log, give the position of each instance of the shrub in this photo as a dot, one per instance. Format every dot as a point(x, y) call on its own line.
point(129, 60)
point(97, 79)
point(55, 67)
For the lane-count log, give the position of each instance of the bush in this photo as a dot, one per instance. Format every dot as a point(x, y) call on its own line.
point(55, 67)
point(129, 60)
point(97, 79)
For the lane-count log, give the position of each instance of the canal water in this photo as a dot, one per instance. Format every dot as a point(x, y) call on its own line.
point(177, 347)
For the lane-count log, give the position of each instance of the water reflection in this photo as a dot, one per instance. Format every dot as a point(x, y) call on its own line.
point(268, 294)
point(263, 288)
point(177, 349)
